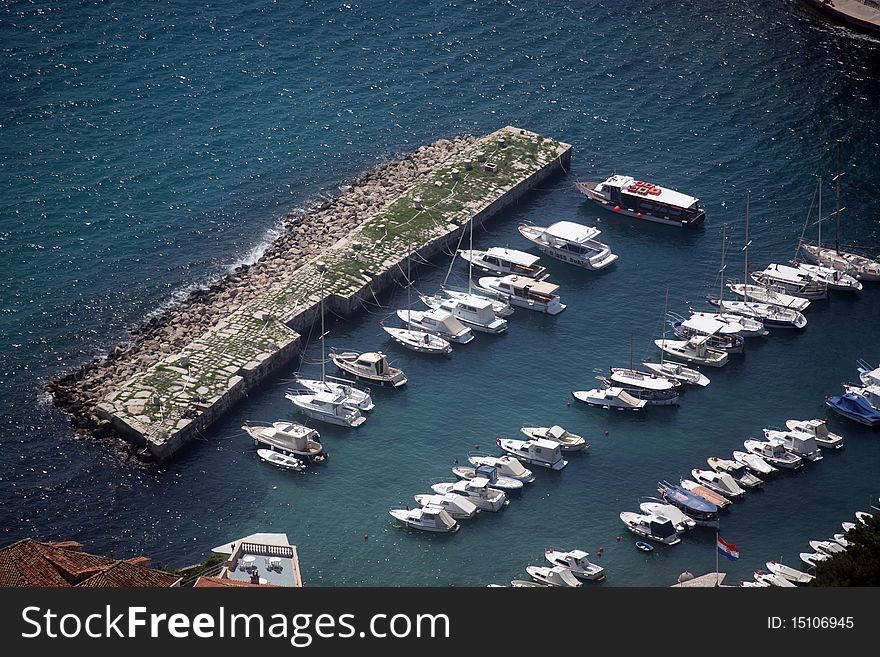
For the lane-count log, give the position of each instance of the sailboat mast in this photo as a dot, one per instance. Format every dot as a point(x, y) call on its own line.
point(746, 251)
point(721, 272)
point(409, 290)
point(323, 351)
point(665, 313)
point(471, 259)
point(837, 212)
point(819, 243)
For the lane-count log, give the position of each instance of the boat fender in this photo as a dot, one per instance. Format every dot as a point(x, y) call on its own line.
point(638, 215)
point(617, 208)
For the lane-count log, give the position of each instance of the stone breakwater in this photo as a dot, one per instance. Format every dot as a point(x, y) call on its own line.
point(184, 368)
point(303, 234)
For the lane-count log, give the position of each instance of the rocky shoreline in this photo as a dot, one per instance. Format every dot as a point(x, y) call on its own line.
point(302, 235)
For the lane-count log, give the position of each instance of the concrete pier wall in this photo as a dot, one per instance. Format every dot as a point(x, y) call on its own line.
point(177, 399)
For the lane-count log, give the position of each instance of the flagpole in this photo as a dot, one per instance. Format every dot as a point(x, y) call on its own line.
point(717, 534)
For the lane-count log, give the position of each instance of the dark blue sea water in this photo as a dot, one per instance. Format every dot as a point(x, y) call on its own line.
point(145, 148)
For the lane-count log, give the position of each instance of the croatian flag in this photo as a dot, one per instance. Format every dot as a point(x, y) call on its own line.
point(729, 550)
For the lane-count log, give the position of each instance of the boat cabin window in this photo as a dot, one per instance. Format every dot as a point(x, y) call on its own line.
point(574, 248)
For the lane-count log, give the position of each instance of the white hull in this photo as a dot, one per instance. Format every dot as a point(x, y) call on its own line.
point(683, 350)
point(680, 373)
point(762, 294)
point(360, 399)
point(851, 263)
point(420, 341)
point(772, 315)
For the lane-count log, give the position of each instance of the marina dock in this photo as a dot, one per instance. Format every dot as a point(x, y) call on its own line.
point(163, 406)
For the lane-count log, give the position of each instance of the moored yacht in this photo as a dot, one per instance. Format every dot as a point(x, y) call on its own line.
point(695, 350)
point(835, 280)
point(854, 264)
point(630, 378)
point(524, 292)
point(437, 322)
point(475, 490)
point(508, 466)
point(554, 576)
point(568, 442)
point(818, 429)
point(455, 505)
point(791, 574)
point(721, 335)
point(608, 398)
point(506, 261)
point(538, 451)
point(694, 506)
point(476, 312)
point(429, 519)
point(370, 366)
point(774, 452)
point(645, 201)
point(754, 463)
point(770, 294)
point(707, 493)
point(421, 341)
point(577, 562)
point(746, 327)
point(797, 442)
point(791, 280)
point(570, 242)
point(490, 473)
point(289, 438)
point(678, 372)
point(770, 314)
point(679, 519)
point(357, 397)
point(720, 482)
point(656, 528)
point(855, 407)
point(651, 396)
point(328, 407)
point(738, 471)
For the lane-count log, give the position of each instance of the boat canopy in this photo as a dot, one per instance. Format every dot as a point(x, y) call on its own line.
point(488, 472)
point(571, 232)
point(661, 527)
point(556, 431)
point(477, 483)
point(375, 361)
point(541, 444)
point(513, 256)
point(629, 399)
point(704, 325)
point(446, 321)
point(523, 283)
point(578, 554)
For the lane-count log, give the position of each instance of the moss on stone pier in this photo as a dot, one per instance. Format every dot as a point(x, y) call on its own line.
point(213, 370)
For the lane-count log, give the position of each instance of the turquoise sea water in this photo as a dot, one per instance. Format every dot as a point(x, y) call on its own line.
point(144, 150)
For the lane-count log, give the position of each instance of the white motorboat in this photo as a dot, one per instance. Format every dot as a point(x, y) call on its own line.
point(331, 385)
point(791, 574)
point(847, 527)
point(773, 580)
point(678, 372)
point(437, 322)
point(870, 393)
point(607, 398)
point(500, 260)
point(370, 366)
point(706, 493)
point(421, 341)
point(554, 576)
point(629, 378)
point(644, 201)
point(833, 278)
point(737, 470)
point(476, 312)
point(455, 505)
point(754, 463)
point(818, 429)
point(527, 584)
point(774, 452)
point(862, 517)
point(568, 442)
point(771, 315)
point(798, 443)
point(721, 335)
point(577, 562)
point(570, 242)
point(507, 466)
point(524, 292)
point(328, 407)
point(290, 438)
point(538, 451)
point(357, 397)
point(827, 547)
point(762, 584)
point(791, 280)
point(427, 519)
point(695, 350)
point(475, 490)
point(280, 460)
point(676, 516)
point(769, 294)
point(656, 528)
point(868, 374)
point(746, 327)
point(840, 539)
point(489, 472)
point(813, 558)
point(720, 482)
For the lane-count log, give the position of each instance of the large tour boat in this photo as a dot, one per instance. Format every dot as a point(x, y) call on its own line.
point(643, 200)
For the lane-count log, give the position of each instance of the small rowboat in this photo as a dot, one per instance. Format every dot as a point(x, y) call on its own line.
point(644, 547)
point(281, 460)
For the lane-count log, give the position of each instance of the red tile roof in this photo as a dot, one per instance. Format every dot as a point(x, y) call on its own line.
point(30, 563)
point(219, 582)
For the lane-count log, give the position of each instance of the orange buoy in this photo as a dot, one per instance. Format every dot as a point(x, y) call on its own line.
point(617, 208)
point(638, 215)
point(618, 539)
point(606, 433)
point(366, 537)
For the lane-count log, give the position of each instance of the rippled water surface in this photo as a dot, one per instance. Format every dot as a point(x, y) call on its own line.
point(147, 148)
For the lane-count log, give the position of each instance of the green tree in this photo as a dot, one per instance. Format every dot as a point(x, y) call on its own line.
point(859, 565)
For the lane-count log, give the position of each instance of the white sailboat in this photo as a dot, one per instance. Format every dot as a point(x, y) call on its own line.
point(438, 322)
point(523, 292)
point(672, 369)
point(356, 397)
point(421, 341)
point(854, 264)
point(329, 407)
